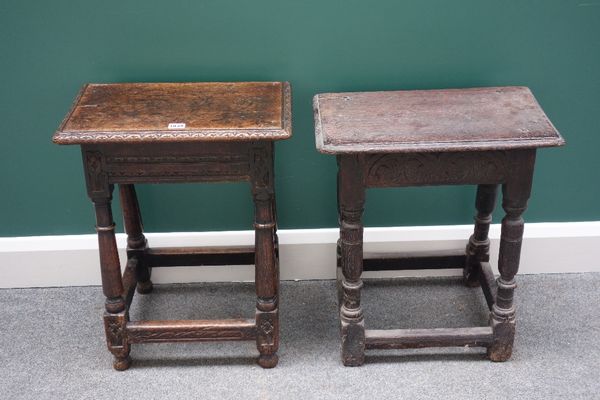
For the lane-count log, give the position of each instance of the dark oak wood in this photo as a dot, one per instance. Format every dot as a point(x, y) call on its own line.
point(190, 330)
point(129, 280)
point(114, 328)
point(147, 112)
point(495, 118)
point(478, 249)
point(266, 254)
point(421, 338)
point(229, 135)
point(351, 200)
point(515, 194)
point(170, 162)
point(485, 137)
point(487, 280)
point(137, 244)
point(423, 169)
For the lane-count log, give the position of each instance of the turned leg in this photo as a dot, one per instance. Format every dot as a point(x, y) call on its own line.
point(478, 249)
point(339, 276)
point(115, 316)
point(136, 241)
point(267, 268)
point(351, 199)
point(515, 195)
point(276, 238)
point(338, 258)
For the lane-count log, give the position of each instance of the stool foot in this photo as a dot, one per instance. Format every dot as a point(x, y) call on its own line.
point(353, 342)
point(352, 362)
point(268, 360)
point(499, 353)
point(145, 287)
point(121, 364)
point(504, 335)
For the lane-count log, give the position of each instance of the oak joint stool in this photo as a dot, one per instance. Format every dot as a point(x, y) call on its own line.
point(483, 136)
point(134, 133)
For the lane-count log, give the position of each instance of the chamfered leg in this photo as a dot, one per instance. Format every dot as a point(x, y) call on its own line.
point(478, 248)
point(351, 199)
point(266, 260)
point(515, 195)
point(136, 241)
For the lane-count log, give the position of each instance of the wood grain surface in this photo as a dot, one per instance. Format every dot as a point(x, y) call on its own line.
point(175, 112)
point(495, 118)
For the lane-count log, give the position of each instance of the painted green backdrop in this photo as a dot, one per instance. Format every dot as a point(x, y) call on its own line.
point(48, 49)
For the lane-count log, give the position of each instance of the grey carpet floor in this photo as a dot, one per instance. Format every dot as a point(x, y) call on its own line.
point(52, 344)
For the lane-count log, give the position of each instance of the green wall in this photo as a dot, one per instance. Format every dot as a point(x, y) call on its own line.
point(48, 49)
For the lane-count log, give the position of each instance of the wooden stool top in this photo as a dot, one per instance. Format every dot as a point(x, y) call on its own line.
point(178, 112)
point(497, 118)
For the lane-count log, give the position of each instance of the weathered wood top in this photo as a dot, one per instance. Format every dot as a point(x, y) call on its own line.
point(495, 118)
point(174, 112)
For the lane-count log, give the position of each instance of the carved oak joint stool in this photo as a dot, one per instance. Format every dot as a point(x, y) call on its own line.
point(180, 133)
point(485, 137)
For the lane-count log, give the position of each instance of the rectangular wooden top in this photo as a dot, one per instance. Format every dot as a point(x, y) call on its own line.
point(177, 112)
point(496, 118)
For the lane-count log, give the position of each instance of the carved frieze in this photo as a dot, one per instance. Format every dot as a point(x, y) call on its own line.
point(405, 169)
point(165, 168)
point(188, 334)
point(179, 136)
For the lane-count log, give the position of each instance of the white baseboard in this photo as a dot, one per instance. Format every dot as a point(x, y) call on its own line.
point(72, 260)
